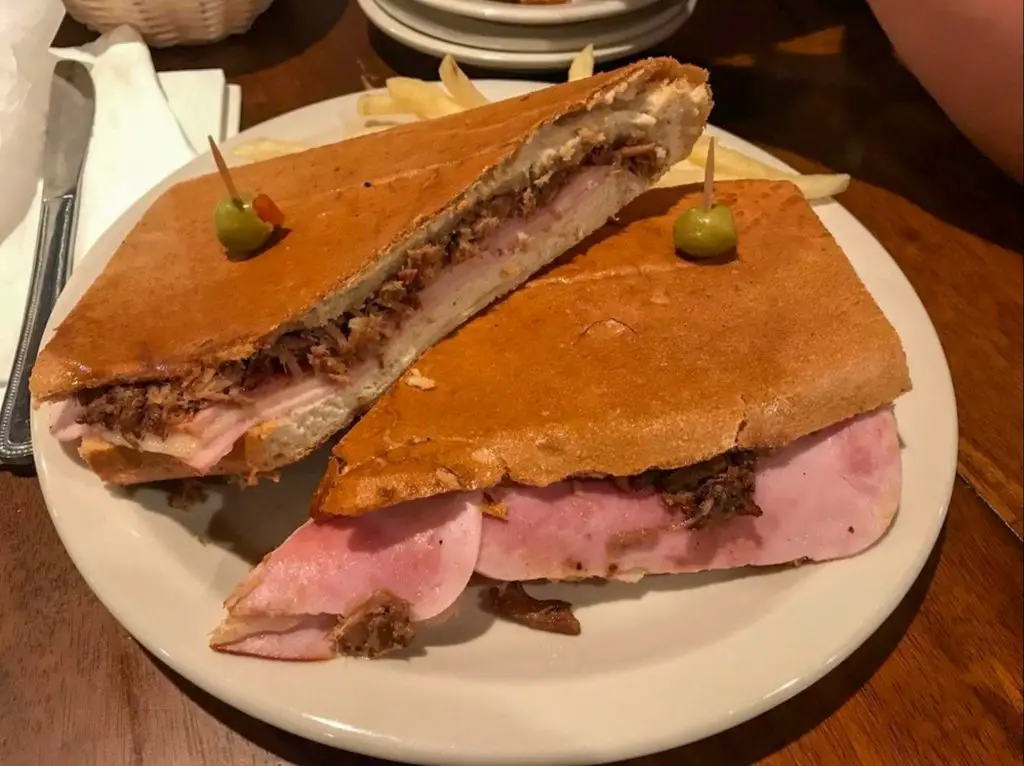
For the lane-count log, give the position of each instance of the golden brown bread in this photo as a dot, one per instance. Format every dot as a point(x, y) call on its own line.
point(627, 357)
point(345, 204)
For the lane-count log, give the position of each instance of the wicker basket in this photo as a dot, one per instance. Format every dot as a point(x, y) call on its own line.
point(170, 22)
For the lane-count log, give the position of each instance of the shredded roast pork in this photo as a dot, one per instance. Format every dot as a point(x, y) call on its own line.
point(380, 626)
point(713, 491)
point(511, 601)
point(136, 410)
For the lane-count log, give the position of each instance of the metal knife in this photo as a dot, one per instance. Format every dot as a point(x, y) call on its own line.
point(68, 128)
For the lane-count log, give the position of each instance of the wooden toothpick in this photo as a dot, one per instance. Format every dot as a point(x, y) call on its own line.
point(225, 174)
point(709, 175)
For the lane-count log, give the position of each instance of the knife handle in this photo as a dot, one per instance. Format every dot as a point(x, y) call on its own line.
point(50, 271)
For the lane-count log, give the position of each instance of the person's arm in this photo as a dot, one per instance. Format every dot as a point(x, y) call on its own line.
point(969, 54)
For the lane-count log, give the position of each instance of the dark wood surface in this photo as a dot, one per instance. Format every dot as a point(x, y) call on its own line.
point(815, 82)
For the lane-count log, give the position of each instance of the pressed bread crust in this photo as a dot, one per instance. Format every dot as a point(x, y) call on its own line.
point(627, 357)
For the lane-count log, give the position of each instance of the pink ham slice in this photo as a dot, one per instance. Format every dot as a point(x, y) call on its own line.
point(211, 434)
point(826, 496)
point(64, 423)
point(423, 552)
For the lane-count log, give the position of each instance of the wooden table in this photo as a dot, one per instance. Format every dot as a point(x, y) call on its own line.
point(815, 82)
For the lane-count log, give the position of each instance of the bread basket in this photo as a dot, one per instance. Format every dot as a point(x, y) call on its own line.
point(170, 22)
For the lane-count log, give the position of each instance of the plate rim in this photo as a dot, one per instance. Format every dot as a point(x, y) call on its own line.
point(379, 745)
point(634, 25)
point(538, 15)
point(494, 59)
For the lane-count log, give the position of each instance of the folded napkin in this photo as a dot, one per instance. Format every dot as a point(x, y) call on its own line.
point(140, 135)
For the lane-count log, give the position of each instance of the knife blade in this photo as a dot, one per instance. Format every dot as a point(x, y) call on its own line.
point(68, 130)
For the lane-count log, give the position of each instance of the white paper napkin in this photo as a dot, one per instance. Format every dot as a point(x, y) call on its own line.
point(146, 127)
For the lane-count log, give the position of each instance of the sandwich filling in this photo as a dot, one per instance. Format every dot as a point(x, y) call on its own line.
point(714, 490)
point(199, 417)
point(828, 495)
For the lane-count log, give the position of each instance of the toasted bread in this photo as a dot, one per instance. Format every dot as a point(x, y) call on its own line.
point(169, 300)
point(626, 357)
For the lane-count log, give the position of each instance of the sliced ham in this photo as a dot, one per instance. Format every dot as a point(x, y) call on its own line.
point(499, 249)
point(64, 423)
point(210, 435)
point(826, 496)
point(278, 638)
point(287, 608)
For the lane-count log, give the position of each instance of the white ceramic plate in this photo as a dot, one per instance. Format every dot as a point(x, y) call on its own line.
point(661, 663)
point(572, 12)
point(571, 38)
point(417, 39)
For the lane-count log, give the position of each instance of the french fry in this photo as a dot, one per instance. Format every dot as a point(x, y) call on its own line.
point(377, 104)
point(582, 65)
point(734, 162)
point(813, 187)
point(731, 165)
point(423, 99)
point(682, 173)
point(820, 186)
point(459, 86)
point(265, 149)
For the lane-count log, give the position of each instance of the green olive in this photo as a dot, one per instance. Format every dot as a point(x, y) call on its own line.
point(238, 227)
point(703, 233)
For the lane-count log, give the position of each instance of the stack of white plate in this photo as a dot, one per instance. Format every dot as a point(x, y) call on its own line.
point(509, 35)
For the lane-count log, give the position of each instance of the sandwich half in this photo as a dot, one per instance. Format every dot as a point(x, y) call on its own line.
point(628, 413)
point(180, 361)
